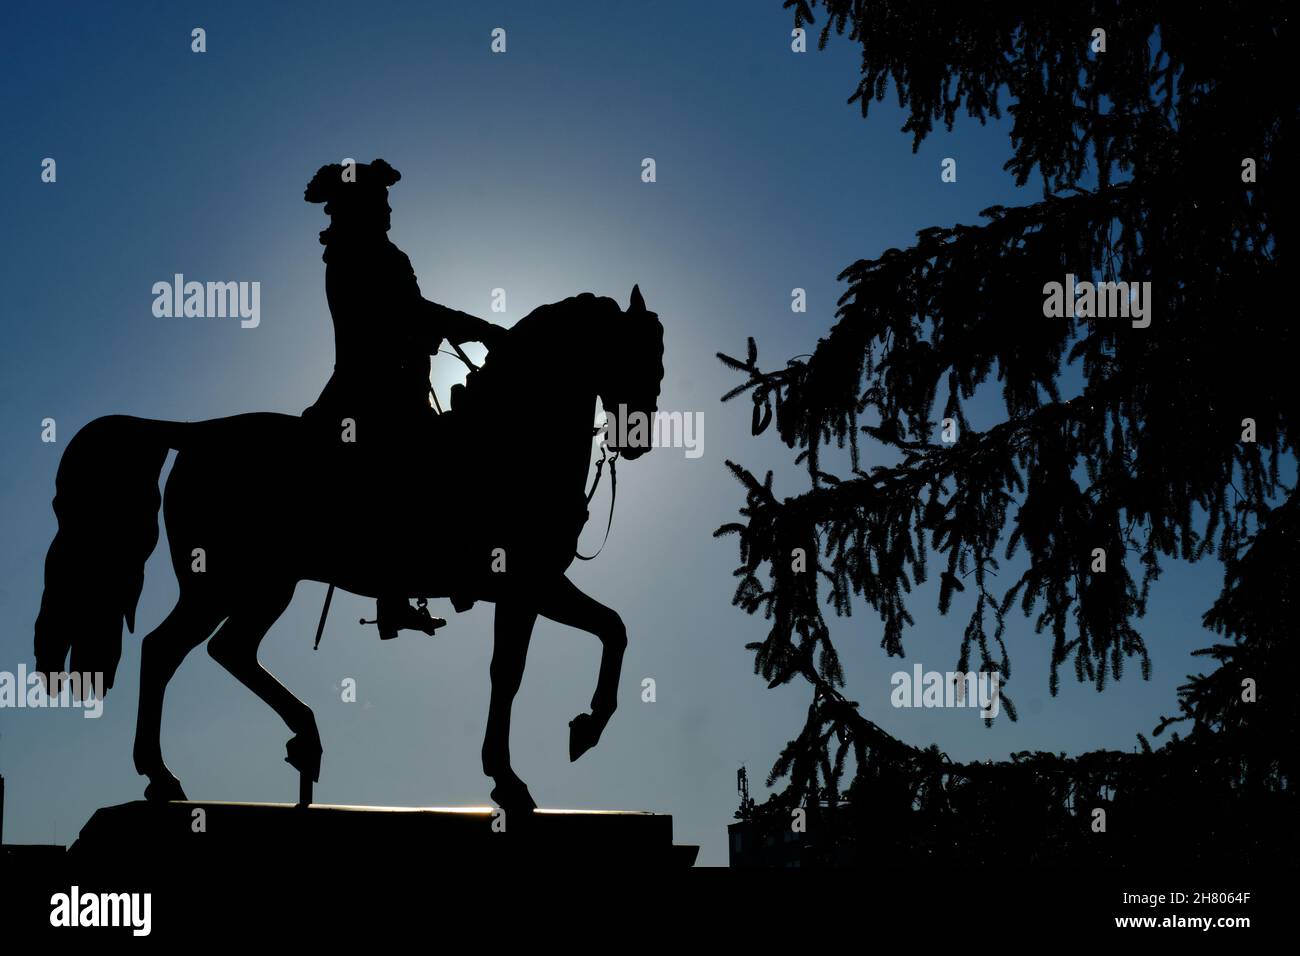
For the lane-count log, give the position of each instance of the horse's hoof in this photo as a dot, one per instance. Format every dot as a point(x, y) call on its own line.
point(164, 790)
point(584, 733)
point(514, 799)
point(303, 754)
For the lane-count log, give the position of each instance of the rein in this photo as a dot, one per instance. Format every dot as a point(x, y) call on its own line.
point(605, 455)
point(469, 366)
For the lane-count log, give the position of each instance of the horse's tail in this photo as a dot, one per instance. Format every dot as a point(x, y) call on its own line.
point(106, 501)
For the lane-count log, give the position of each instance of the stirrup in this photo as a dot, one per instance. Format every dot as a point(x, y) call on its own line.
point(412, 618)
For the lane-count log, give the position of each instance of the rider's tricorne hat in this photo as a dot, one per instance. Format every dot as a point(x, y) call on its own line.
point(333, 181)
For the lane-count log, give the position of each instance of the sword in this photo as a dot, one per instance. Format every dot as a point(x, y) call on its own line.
point(324, 612)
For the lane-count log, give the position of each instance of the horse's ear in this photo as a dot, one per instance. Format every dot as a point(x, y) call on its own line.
point(636, 303)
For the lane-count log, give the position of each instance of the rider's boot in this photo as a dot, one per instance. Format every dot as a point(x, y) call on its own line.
point(393, 614)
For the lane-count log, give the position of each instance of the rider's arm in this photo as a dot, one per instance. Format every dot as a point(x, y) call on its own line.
point(459, 327)
point(437, 322)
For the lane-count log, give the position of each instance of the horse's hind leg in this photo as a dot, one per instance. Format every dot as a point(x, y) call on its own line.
point(235, 646)
point(185, 628)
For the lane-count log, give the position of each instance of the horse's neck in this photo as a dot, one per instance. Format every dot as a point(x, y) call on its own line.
point(557, 433)
point(571, 384)
point(546, 397)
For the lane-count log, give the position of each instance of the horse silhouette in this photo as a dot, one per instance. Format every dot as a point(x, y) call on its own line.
point(256, 503)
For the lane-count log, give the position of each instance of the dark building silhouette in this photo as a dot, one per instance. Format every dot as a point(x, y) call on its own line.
point(767, 837)
point(771, 840)
point(15, 857)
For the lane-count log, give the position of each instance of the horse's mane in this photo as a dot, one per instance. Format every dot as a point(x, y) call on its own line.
point(585, 328)
point(522, 352)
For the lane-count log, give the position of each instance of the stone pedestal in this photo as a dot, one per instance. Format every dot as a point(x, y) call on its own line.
point(226, 836)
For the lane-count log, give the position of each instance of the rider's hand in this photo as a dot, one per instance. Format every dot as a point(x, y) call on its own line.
point(491, 335)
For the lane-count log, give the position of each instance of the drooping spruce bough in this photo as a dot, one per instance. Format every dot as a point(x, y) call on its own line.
point(1142, 155)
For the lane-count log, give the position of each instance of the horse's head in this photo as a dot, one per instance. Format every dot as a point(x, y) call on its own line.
point(563, 351)
point(635, 368)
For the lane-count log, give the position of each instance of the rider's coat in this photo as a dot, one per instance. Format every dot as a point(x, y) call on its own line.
point(384, 333)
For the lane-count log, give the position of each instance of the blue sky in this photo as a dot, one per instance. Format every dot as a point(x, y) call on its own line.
point(520, 171)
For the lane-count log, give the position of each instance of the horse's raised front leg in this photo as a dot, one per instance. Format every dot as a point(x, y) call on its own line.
point(512, 630)
point(565, 604)
point(185, 628)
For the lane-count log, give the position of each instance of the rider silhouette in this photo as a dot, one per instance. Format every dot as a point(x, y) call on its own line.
point(384, 333)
